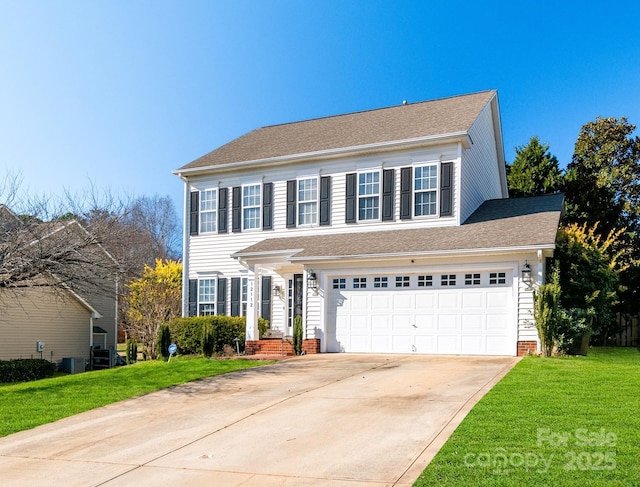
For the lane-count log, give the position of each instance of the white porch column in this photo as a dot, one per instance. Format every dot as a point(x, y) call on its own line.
point(252, 305)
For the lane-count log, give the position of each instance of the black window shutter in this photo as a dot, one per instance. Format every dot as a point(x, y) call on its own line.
point(292, 190)
point(236, 209)
point(221, 304)
point(193, 297)
point(235, 296)
point(223, 202)
point(325, 200)
point(265, 301)
point(267, 206)
point(193, 220)
point(406, 184)
point(350, 202)
point(446, 189)
point(388, 182)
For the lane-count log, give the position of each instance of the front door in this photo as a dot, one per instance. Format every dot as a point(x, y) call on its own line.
point(296, 289)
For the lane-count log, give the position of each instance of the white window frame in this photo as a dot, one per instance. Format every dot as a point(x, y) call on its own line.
point(448, 280)
point(244, 288)
point(362, 197)
point(472, 278)
point(206, 298)
point(498, 278)
point(310, 202)
point(208, 208)
point(339, 283)
point(424, 191)
point(245, 207)
point(381, 282)
point(425, 280)
point(359, 283)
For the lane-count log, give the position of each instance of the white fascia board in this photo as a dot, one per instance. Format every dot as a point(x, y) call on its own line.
point(404, 255)
point(251, 259)
point(454, 137)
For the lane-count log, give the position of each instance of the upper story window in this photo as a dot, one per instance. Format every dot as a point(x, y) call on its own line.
point(208, 210)
point(307, 201)
point(206, 297)
point(369, 195)
point(251, 206)
point(425, 187)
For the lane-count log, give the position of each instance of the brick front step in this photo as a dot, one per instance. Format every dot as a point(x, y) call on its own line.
point(277, 346)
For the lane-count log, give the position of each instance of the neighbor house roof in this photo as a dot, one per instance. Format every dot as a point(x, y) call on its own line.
point(517, 223)
point(423, 120)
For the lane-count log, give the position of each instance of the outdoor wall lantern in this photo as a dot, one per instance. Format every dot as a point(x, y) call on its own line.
point(312, 280)
point(277, 290)
point(526, 273)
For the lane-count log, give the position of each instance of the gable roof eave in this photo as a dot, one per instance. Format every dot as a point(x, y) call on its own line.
point(450, 138)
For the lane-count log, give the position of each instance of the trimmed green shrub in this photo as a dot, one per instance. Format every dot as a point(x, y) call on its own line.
point(23, 370)
point(187, 333)
point(263, 326)
point(164, 340)
point(297, 335)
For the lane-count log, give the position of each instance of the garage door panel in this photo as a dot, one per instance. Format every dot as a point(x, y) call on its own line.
point(448, 300)
point(472, 344)
point(447, 344)
point(447, 322)
point(425, 300)
point(472, 322)
point(429, 319)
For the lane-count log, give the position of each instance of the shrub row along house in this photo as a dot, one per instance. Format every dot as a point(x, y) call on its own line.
point(387, 230)
point(58, 293)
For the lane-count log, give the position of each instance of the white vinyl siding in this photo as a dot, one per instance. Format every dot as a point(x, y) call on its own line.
point(307, 201)
point(251, 207)
point(369, 196)
point(208, 210)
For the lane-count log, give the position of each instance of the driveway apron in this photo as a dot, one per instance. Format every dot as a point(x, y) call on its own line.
point(325, 420)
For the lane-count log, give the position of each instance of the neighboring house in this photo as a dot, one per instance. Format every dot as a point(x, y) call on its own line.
point(387, 230)
point(53, 317)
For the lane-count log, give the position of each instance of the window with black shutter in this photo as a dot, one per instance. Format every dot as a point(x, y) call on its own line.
point(193, 214)
point(267, 206)
point(292, 190)
point(235, 296)
point(193, 297)
point(388, 183)
point(221, 305)
point(350, 198)
point(265, 298)
point(236, 209)
point(406, 177)
point(325, 200)
point(223, 201)
point(446, 189)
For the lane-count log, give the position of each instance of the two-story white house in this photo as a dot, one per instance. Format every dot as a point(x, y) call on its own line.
point(387, 230)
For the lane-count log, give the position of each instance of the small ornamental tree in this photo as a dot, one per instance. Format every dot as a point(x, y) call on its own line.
point(297, 335)
point(154, 299)
point(546, 312)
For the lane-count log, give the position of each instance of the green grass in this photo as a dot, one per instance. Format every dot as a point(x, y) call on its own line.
point(30, 404)
point(578, 415)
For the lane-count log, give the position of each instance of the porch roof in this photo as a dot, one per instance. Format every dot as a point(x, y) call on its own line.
point(501, 224)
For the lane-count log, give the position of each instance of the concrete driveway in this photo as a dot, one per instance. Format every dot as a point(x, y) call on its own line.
point(329, 419)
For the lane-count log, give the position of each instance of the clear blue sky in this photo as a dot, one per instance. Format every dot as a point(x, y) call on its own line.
point(120, 93)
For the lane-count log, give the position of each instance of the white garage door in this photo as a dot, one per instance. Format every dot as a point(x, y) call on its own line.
point(457, 313)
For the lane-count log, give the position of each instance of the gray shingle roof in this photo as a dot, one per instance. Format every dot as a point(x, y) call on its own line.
point(415, 120)
point(501, 223)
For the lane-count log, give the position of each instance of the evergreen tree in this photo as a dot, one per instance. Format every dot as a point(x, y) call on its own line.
point(534, 171)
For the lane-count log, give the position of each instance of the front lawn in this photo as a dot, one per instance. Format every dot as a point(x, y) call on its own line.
point(571, 421)
point(29, 404)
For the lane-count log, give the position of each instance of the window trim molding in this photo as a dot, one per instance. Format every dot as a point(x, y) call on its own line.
point(214, 211)
point(316, 201)
point(435, 190)
point(243, 220)
point(377, 171)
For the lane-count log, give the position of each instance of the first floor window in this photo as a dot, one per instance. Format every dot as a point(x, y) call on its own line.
point(339, 283)
point(243, 298)
point(208, 208)
point(206, 297)
point(251, 206)
point(369, 195)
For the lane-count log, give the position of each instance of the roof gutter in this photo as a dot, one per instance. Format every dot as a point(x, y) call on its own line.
point(455, 137)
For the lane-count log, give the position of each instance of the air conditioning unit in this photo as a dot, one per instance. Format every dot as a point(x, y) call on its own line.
point(73, 365)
